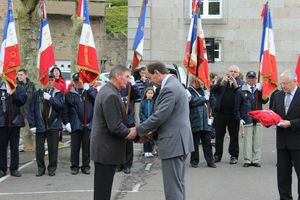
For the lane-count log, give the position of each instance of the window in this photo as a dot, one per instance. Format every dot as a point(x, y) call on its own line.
point(217, 50)
point(210, 9)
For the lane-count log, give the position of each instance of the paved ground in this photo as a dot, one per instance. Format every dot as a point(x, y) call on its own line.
point(227, 182)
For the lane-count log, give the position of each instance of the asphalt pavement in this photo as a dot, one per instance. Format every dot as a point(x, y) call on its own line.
point(226, 182)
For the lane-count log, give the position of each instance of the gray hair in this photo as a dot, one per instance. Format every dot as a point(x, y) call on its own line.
point(117, 70)
point(234, 67)
point(289, 74)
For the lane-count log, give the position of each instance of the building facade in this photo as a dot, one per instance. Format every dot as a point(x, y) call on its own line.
point(234, 25)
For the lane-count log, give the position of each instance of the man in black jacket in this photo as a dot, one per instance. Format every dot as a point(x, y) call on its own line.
point(11, 120)
point(78, 117)
point(26, 139)
point(225, 91)
point(287, 103)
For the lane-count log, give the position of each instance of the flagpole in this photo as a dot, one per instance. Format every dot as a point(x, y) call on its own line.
point(132, 71)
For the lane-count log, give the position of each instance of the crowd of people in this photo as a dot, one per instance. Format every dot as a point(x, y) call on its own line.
point(154, 108)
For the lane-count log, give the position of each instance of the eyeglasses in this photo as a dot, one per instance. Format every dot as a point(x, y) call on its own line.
point(234, 71)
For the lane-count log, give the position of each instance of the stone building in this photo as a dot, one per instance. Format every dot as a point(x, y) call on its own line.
point(59, 15)
point(235, 26)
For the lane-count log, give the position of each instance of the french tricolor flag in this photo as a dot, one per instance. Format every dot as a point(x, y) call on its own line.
point(80, 9)
point(298, 69)
point(195, 59)
point(9, 53)
point(138, 44)
point(87, 60)
point(268, 66)
point(46, 56)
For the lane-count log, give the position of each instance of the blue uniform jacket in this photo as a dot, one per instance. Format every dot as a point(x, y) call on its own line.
point(74, 109)
point(146, 109)
point(245, 102)
point(10, 107)
point(56, 104)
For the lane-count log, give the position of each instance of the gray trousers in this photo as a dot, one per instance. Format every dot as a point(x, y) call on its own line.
point(173, 171)
point(252, 143)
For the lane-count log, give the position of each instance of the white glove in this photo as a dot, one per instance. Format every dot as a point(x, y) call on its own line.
point(86, 86)
point(259, 86)
point(242, 122)
point(46, 95)
point(33, 130)
point(131, 80)
point(188, 94)
point(206, 95)
point(68, 127)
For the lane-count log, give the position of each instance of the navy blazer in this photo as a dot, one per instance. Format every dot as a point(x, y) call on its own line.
point(288, 137)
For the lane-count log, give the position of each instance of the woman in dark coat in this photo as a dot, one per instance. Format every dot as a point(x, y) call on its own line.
point(199, 124)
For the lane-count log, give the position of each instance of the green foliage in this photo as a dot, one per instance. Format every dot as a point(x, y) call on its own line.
point(116, 19)
point(117, 2)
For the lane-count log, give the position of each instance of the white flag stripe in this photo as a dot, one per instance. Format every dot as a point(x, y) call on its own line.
point(87, 36)
point(47, 41)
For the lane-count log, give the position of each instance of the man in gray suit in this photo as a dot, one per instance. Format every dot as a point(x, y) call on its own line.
point(170, 121)
point(109, 132)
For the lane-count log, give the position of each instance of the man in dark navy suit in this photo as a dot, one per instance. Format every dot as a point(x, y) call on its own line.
point(286, 104)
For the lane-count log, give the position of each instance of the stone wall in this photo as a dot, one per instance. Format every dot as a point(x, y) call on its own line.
point(239, 31)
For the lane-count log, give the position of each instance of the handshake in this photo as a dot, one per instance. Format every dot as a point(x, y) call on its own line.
point(133, 136)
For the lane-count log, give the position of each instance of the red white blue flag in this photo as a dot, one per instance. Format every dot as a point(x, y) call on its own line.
point(195, 59)
point(46, 56)
point(80, 9)
point(268, 68)
point(87, 60)
point(9, 53)
point(298, 69)
point(138, 44)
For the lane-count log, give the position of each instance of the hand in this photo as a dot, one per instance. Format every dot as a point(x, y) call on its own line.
point(259, 86)
point(206, 95)
point(47, 96)
point(233, 81)
point(68, 127)
point(284, 124)
point(224, 80)
point(132, 134)
point(86, 86)
point(33, 130)
point(242, 122)
point(131, 80)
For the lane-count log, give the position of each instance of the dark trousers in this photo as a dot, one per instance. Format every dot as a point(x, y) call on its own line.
point(148, 146)
point(11, 135)
point(81, 139)
point(103, 180)
point(221, 122)
point(285, 160)
point(205, 137)
point(129, 155)
point(52, 142)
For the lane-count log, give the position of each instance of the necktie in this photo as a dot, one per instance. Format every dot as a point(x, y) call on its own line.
point(288, 100)
point(252, 89)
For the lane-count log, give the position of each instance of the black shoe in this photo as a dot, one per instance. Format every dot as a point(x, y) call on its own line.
point(194, 165)
point(217, 159)
point(74, 171)
point(256, 164)
point(15, 173)
point(52, 173)
point(246, 165)
point(2, 173)
point(119, 168)
point(126, 170)
point(233, 160)
point(85, 171)
point(211, 165)
point(40, 173)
